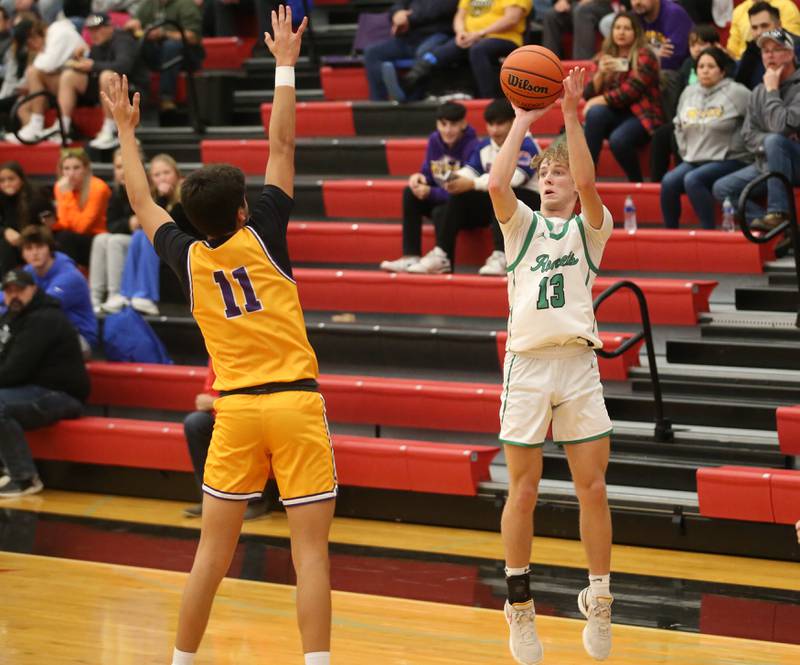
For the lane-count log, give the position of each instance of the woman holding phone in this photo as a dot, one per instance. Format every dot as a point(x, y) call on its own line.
point(623, 98)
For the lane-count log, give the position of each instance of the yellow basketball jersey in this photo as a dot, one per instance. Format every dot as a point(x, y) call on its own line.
point(249, 313)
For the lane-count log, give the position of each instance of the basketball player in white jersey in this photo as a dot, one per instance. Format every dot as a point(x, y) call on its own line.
point(550, 374)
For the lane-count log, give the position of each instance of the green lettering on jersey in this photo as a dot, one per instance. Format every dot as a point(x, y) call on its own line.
point(545, 264)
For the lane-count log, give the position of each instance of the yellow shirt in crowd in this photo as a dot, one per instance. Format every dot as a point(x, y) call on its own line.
point(482, 13)
point(740, 23)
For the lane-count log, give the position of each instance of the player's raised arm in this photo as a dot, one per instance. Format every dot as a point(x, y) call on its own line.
point(285, 46)
point(504, 201)
point(126, 115)
point(580, 159)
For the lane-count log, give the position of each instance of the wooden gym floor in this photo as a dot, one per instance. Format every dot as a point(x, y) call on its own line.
point(95, 579)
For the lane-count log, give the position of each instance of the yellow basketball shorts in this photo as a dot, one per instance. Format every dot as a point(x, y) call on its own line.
point(284, 431)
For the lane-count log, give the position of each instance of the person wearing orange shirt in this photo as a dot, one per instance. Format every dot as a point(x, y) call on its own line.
point(81, 204)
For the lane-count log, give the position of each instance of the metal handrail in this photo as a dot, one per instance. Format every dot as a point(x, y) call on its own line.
point(663, 427)
point(194, 113)
point(791, 223)
point(52, 102)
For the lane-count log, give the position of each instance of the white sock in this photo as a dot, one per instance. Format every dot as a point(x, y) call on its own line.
point(37, 121)
point(318, 658)
point(109, 126)
point(510, 572)
point(67, 122)
point(182, 657)
point(600, 585)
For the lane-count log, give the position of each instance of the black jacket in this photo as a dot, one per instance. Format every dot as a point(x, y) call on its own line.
point(39, 346)
point(119, 211)
point(120, 54)
point(10, 214)
point(427, 17)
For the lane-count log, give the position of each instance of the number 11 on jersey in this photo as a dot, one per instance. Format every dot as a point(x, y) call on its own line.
point(251, 302)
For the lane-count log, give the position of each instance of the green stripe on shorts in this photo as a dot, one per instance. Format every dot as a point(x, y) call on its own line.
point(588, 438)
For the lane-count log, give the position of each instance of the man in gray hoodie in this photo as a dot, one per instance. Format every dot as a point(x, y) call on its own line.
point(770, 132)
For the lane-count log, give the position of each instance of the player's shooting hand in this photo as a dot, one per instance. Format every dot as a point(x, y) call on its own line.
point(528, 117)
point(573, 91)
point(115, 98)
point(285, 45)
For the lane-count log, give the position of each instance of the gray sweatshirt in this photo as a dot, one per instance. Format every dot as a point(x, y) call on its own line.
point(709, 121)
point(776, 112)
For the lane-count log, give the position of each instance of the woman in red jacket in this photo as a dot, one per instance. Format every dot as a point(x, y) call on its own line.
point(623, 98)
point(81, 204)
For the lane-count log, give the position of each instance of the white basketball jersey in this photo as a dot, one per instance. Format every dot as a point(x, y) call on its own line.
point(552, 264)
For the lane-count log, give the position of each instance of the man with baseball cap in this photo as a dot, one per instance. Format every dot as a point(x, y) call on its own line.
point(770, 132)
point(42, 376)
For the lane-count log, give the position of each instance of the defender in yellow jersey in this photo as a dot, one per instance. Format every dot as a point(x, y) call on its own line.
point(270, 414)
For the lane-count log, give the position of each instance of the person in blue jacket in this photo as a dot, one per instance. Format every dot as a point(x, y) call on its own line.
point(58, 276)
point(425, 195)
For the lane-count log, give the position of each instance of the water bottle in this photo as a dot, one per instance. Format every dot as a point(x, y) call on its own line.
point(728, 223)
point(630, 215)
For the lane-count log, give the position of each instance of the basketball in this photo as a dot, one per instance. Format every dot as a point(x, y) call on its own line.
point(531, 77)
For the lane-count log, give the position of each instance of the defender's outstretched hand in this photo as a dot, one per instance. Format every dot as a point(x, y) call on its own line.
point(125, 114)
point(573, 90)
point(285, 45)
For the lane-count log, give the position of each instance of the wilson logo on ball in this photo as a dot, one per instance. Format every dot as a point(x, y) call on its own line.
point(524, 84)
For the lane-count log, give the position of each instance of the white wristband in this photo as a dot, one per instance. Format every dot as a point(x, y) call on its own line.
point(284, 75)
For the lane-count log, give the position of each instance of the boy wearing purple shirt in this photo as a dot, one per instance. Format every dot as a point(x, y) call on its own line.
point(667, 27)
point(449, 147)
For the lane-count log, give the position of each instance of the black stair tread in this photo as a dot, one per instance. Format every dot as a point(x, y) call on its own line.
point(744, 375)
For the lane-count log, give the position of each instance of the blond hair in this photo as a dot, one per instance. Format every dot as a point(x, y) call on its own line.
point(83, 158)
point(556, 152)
point(169, 160)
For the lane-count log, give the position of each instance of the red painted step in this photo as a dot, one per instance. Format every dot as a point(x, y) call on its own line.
point(788, 418)
point(226, 52)
point(646, 250)
point(415, 466)
point(739, 493)
point(318, 119)
point(671, 302)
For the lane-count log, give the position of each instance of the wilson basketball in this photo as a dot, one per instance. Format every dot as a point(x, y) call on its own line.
point(531, 77)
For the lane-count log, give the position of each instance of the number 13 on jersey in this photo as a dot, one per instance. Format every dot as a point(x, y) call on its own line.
point(251, 302)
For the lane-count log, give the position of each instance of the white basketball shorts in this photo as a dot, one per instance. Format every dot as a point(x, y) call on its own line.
point(565, 391)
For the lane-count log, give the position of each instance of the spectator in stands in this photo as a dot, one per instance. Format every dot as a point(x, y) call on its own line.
point(770, 133)
point(741, 23)
point(198, 427)
point(54, 45)
point(469, 205)
point(81, 205)
point(47, 9)
point(42, 376)
point(164, 44)
point(418, 26)
point(21, 204)
point(486, 30)
point(708, 132)
point(110, 249)
point(623, 98)
point(113, 51)
point(57, 275)
point(6, 37)
point(763, 18)
point(15, 63)
point(448, 149)
point(141, 285)
point(662, 145)
point(581, 18)
point(666, 27)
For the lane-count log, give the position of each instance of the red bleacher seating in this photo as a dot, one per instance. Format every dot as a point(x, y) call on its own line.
point(788, 418)
point(226, 52)
point(646, 250)
point(318, 119)
point(611, 369)
point(671, 301)
point(749, 493)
